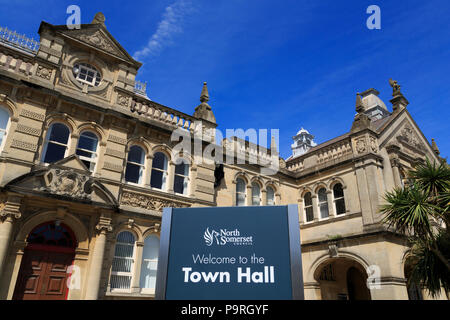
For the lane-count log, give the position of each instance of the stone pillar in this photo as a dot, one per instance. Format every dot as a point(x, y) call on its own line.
point(395, 170)
point(364, 197)
point(192, 181)
point(315, 206)
point(264, 197)
point(300, 211)
point(95, 270)
point(248, 195)
point(171, 177)
point(148, 170)
point(331, 208)
point(7, 216)
point(135, 285)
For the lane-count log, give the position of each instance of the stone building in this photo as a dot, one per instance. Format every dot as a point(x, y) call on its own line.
point(87, 164)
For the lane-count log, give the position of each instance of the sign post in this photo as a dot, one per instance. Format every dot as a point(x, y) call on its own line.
point(230, 253)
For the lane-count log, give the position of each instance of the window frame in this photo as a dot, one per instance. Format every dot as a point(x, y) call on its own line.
point(96, 153)
point(267, 196)
point(256, 184)
point(322, 203)
point(89, 68)
point(142, 167)
point(335, 200)
point(7, 127)
point(165, 172)
point(47, 141)
point(142, 289)
point(186, 180)
point(308, 206)
point(244, 192)
point(132, 272)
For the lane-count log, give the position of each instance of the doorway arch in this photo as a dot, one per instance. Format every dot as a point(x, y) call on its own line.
point(342, 278)
point(45, 266)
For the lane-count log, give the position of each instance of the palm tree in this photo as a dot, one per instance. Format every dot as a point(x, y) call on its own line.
point(421, 211)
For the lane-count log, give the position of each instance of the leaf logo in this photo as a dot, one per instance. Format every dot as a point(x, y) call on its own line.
point(208, 236)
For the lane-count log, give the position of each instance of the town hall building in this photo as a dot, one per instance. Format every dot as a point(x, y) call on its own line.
point(87, 164)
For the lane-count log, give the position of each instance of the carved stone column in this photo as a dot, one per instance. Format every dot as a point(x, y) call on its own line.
point(315, 206)
point(248, 195)
point(264, 197)
point(395, 170)
point(331, 209)
point(8, 215)
point(148, 170)
point(171, 177)
point(192, 181)
point(135, 285)
point(95, 270)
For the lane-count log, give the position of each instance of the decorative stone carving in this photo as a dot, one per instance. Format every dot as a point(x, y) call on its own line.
point(99, 40)
point(44, 73)
point(361, 146)
point(32, 115)
point(373, 144)
point(122, 100)
point(19, 144)
point(148, 202)
point(104, 225)
point(333, 250)
point(117, 139)
point(28, 130)
point(408, 136)
point(68, 183)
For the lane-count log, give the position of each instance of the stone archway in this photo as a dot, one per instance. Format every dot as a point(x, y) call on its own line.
point(342, 279)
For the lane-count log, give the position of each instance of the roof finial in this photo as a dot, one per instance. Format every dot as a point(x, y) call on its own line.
point(99, 18)
point(359, 104)
point(273, 146)
point(434, 147)
point(204, 96)
point(395, 87)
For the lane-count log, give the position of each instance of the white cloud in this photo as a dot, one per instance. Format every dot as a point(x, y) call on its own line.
point(170, 24)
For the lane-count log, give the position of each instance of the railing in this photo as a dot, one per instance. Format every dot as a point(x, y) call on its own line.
point(140, 88)
point(19, 41)
point(164, 114)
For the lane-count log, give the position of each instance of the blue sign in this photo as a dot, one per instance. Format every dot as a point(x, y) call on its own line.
point(230, 253)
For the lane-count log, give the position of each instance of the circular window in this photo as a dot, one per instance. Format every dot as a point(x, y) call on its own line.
point(85, 73)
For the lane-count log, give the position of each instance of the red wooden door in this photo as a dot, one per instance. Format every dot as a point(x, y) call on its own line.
point(43, 275)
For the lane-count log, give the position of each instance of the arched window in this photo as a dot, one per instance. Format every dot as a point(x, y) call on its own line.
point(123, 262)
point(52, 234)
point(149, 262)
point(55, 146)
point(323, 203)
point(87, 149)
point(256, 194)
point(159, 171)
point(180, 182)
point(135, 165)
point(339, 201)
point(4, 121)
point(240, 192)
point(307, 202)
point(270, 196)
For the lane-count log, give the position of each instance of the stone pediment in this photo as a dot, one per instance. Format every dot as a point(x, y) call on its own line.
point(409, 138)
point(96, 35)
point(67, 179)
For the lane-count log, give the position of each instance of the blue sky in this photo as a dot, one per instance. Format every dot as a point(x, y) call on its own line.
point(276, 64)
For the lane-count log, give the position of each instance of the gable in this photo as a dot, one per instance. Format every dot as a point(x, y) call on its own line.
point(95, 36)
point(405, 133)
